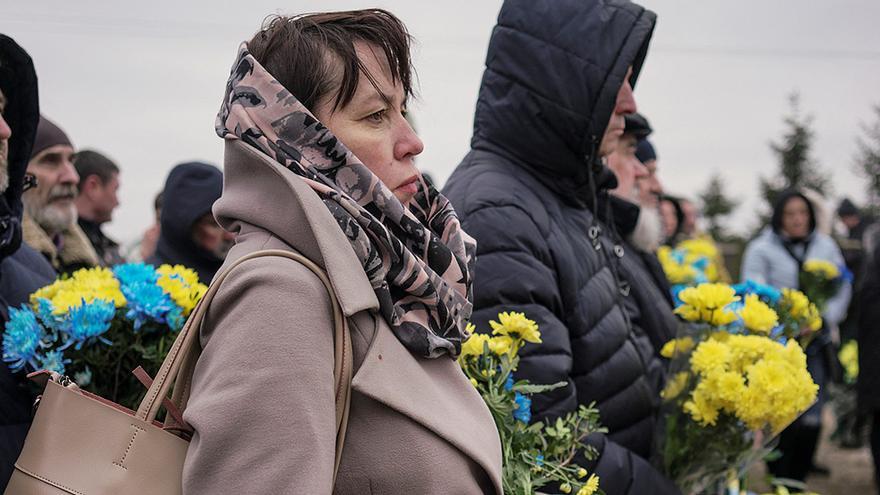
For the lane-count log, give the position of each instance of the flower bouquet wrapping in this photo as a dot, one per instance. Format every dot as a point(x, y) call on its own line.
point(99, 324)
point(731, 389)
point(533, 455)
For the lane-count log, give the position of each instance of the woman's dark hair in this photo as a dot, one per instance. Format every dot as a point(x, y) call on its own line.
point(779, 208)
point(299, 52)
point(679, 215)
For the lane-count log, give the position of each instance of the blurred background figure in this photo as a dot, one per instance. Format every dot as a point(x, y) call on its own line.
point(673, 219)
point(98, 188)
point(144, 247)
point(50, 217)
point(776, 258)
point(189, 235)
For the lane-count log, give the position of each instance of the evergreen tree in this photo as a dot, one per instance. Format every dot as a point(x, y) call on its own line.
point(797, 168)
point(716, 206)
point(868, 160)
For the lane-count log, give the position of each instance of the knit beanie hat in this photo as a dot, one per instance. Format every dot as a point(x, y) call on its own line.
point(48, 135)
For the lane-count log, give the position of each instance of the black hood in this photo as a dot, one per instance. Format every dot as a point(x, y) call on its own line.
point(18, 80)
point(779, 206)
point(553, 71)
point(190, 192)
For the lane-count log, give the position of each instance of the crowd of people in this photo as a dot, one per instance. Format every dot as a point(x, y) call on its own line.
point(556, 211)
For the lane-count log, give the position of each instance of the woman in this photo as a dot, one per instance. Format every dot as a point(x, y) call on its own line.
point(775, 258)
point(319, 159)
point(673, 218)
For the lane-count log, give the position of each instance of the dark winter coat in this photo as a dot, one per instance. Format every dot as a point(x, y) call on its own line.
point(22, 270)
point(647, 298)
point(106, 248)
point(189, 194)
point(869, 335)
point(524, 191)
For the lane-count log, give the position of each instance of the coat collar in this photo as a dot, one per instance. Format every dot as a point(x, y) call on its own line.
point(269, 197)
point(76, 248)
point(460, 421)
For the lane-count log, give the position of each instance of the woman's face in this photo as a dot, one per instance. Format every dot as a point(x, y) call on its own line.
point(796, 218)
point(670, 220)
point(373, 126)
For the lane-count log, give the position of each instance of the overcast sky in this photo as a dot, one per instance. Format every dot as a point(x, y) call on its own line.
point(142, 82)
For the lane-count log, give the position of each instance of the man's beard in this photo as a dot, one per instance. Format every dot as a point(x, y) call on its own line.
point(53, 218)
point(648, 234)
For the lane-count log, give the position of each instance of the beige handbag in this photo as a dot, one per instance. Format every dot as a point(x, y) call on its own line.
point(82, 444)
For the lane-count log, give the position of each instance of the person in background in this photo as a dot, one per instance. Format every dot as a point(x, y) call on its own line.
point(649, 300)
point(776, 258)
point(690, 215)
point(554, 96)
point(50, 217)
point(143, 248)
point(868, 385)
point(22, 269)
point(98, 197)
point(673, 219)
point(189, 235)
point(860, 233)
point(650, 188)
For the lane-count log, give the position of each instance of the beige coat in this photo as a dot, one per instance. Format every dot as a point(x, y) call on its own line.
point(262, 400)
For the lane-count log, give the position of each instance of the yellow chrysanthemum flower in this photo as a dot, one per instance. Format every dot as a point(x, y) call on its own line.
point(709, 297)
point(699, 247)
point(86, 284)
point(822, 268)
point(849, 358)
point(591, 486)
point(709, 355)
point(517, 326)
point(757, 316)
point(473, 346)
point(677, 346)
point(796, 301)
point(182, 284)
point(501, 345)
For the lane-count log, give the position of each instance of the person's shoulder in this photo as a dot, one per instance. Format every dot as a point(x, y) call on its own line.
point(486, 180)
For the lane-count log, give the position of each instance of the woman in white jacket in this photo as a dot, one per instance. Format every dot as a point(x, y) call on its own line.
point(775, 258)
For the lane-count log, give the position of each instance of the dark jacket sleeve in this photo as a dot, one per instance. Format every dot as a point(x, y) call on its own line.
point(621, 472)
point(514, 272)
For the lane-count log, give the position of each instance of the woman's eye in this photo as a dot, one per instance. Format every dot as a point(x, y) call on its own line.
point(377, 116)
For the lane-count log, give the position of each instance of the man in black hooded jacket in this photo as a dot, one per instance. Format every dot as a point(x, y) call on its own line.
point(554, 94)
point(22, 270)
point(189, 235)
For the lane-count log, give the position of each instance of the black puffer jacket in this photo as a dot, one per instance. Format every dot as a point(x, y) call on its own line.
point(647, 298)
point(22, 270)
point(553, 71)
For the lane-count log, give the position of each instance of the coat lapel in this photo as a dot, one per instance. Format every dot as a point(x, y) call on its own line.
point(436, 394)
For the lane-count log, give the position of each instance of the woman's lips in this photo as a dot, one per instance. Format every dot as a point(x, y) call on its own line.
point(410, 186)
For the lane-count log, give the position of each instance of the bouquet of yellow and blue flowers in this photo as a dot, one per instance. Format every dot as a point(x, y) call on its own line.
point(820, 280)
point(533, 455)
point(99, 324)
point(798, 317)
point(732, 387)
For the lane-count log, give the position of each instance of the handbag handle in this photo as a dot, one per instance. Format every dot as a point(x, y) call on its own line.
point(180, 361)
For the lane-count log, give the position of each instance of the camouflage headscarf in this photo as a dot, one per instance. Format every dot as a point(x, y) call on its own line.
point(418, 259)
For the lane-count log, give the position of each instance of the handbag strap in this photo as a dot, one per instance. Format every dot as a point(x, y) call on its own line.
point(179, 363)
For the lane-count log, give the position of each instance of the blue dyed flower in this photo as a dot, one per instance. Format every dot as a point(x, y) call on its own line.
point(175, 318)
point(845, 273)
point(676, 290)
point(508, 384)
point(22, 338)
point(52, 322)
point(88, 322)
point(135, 273)
point(768, 293)
point(147, 302)
point(53, 361)
point(539, 460)
point(522, 411)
